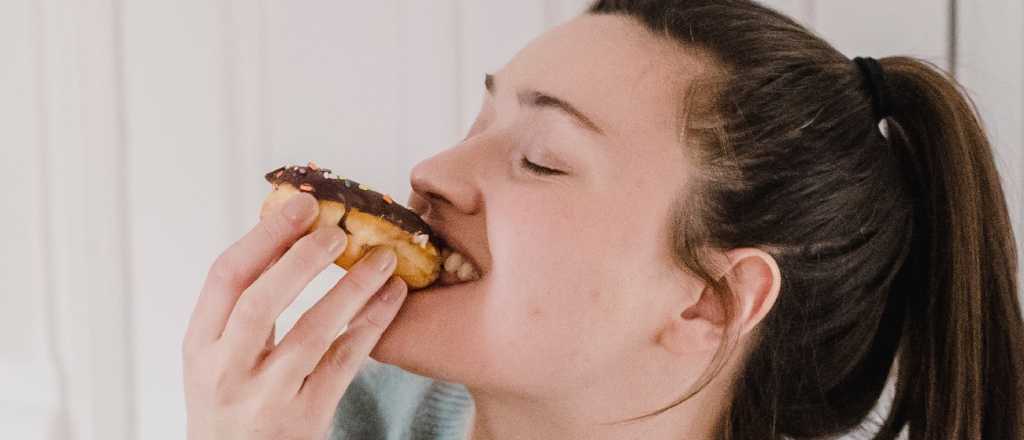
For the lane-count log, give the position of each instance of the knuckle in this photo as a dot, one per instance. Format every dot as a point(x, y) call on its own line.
point(226, 270)
point(301, 260)
point(265, 401)
point(343, 356)
point(314, 337)
point(190, 351)
point(248, 313)
point(360, 281)
point(218, 384)
point(224, 393)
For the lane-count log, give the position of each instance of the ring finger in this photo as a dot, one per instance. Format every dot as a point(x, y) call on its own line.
point(301, 349)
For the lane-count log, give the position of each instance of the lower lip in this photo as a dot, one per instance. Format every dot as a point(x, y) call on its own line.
point(437, 286)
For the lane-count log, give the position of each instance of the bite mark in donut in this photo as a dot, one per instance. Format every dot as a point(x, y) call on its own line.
point(369, 218)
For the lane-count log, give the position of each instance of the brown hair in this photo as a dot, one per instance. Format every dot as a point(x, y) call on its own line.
point(893, 251)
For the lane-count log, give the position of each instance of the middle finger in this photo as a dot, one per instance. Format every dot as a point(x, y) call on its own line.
point(275, 289)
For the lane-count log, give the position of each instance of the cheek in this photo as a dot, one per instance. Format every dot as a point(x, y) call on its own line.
point(551, 255)
point(555, 308)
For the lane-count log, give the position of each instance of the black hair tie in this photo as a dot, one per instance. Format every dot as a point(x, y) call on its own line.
point(877, 84)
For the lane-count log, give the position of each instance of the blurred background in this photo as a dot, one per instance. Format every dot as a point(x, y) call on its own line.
point(135, 134)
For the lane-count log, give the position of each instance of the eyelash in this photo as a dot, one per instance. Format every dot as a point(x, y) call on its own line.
point(538, 169)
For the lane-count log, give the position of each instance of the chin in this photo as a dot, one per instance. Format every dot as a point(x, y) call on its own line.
point(438, 333)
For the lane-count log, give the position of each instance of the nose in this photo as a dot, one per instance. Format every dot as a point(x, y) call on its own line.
point(447, 179)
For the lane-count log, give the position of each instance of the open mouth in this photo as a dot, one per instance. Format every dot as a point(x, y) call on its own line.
point(456, 268)
point(459, 264)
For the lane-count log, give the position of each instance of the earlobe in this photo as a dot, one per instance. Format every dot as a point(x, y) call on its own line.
point(676, 338)
point(698, 328)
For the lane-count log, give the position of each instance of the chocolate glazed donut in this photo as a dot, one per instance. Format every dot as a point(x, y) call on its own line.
point(369, 218)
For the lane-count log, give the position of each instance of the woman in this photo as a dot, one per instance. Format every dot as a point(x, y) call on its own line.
point(690, 224)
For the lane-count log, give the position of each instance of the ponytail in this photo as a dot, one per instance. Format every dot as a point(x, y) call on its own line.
point(961, 357)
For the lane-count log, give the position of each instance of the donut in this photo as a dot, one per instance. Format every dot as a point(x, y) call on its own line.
point(368, 218)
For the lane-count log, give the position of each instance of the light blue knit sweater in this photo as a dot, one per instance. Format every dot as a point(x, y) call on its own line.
point(385, 402)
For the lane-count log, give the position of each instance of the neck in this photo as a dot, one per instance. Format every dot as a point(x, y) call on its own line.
point(499, 417)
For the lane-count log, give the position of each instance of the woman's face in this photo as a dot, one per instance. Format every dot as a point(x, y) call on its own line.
point(578, 275)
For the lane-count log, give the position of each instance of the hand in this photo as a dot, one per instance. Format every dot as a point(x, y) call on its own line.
point(238, 383)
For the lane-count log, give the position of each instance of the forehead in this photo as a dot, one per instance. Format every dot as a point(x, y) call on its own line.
point(612, 68)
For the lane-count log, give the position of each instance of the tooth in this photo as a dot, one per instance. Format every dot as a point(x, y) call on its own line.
point(453, 262)
point(466, 272)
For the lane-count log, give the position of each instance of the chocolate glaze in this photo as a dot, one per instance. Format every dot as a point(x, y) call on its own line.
point(324, 186)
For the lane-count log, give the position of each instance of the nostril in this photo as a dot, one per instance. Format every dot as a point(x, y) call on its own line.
point(434, 198)
point(432, 205)
point(418, 204)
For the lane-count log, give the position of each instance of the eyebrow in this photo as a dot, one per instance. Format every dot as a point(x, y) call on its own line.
point(538, 99)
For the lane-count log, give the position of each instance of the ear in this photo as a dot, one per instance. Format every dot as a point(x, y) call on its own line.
point(700, 324)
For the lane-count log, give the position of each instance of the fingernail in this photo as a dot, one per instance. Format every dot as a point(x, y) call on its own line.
point(382, 258)
point(299, 206)
point(391, 294)
point(394, 290)
point(333, 238)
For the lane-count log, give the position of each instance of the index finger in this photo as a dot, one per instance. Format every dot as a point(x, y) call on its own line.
point(244, 261)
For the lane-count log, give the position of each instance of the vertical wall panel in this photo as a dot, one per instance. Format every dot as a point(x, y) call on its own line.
point(801, 10)
point(490, 34)
point(22, 252)
point(179, 186)
point(83, 168)
point(991, 67)
point(429, 83)
point(333, 85)
point(245, 88)
point(558, 11)
point(881, 28)
point(31, 399)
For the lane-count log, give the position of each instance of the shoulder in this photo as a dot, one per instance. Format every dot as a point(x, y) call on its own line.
point(385, 402)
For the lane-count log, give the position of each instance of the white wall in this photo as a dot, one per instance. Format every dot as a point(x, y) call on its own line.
point(136, 133)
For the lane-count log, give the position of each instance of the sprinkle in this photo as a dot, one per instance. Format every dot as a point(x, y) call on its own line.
point(363, 187)
point(421, 239)
point(302, 171)
point(312, 166)
point(306, 187)
point(278, 174)
point(387, 199)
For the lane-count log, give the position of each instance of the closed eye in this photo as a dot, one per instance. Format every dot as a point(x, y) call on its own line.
point(539, 169)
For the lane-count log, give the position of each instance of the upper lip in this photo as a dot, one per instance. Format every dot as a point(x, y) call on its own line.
point(455, 245)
